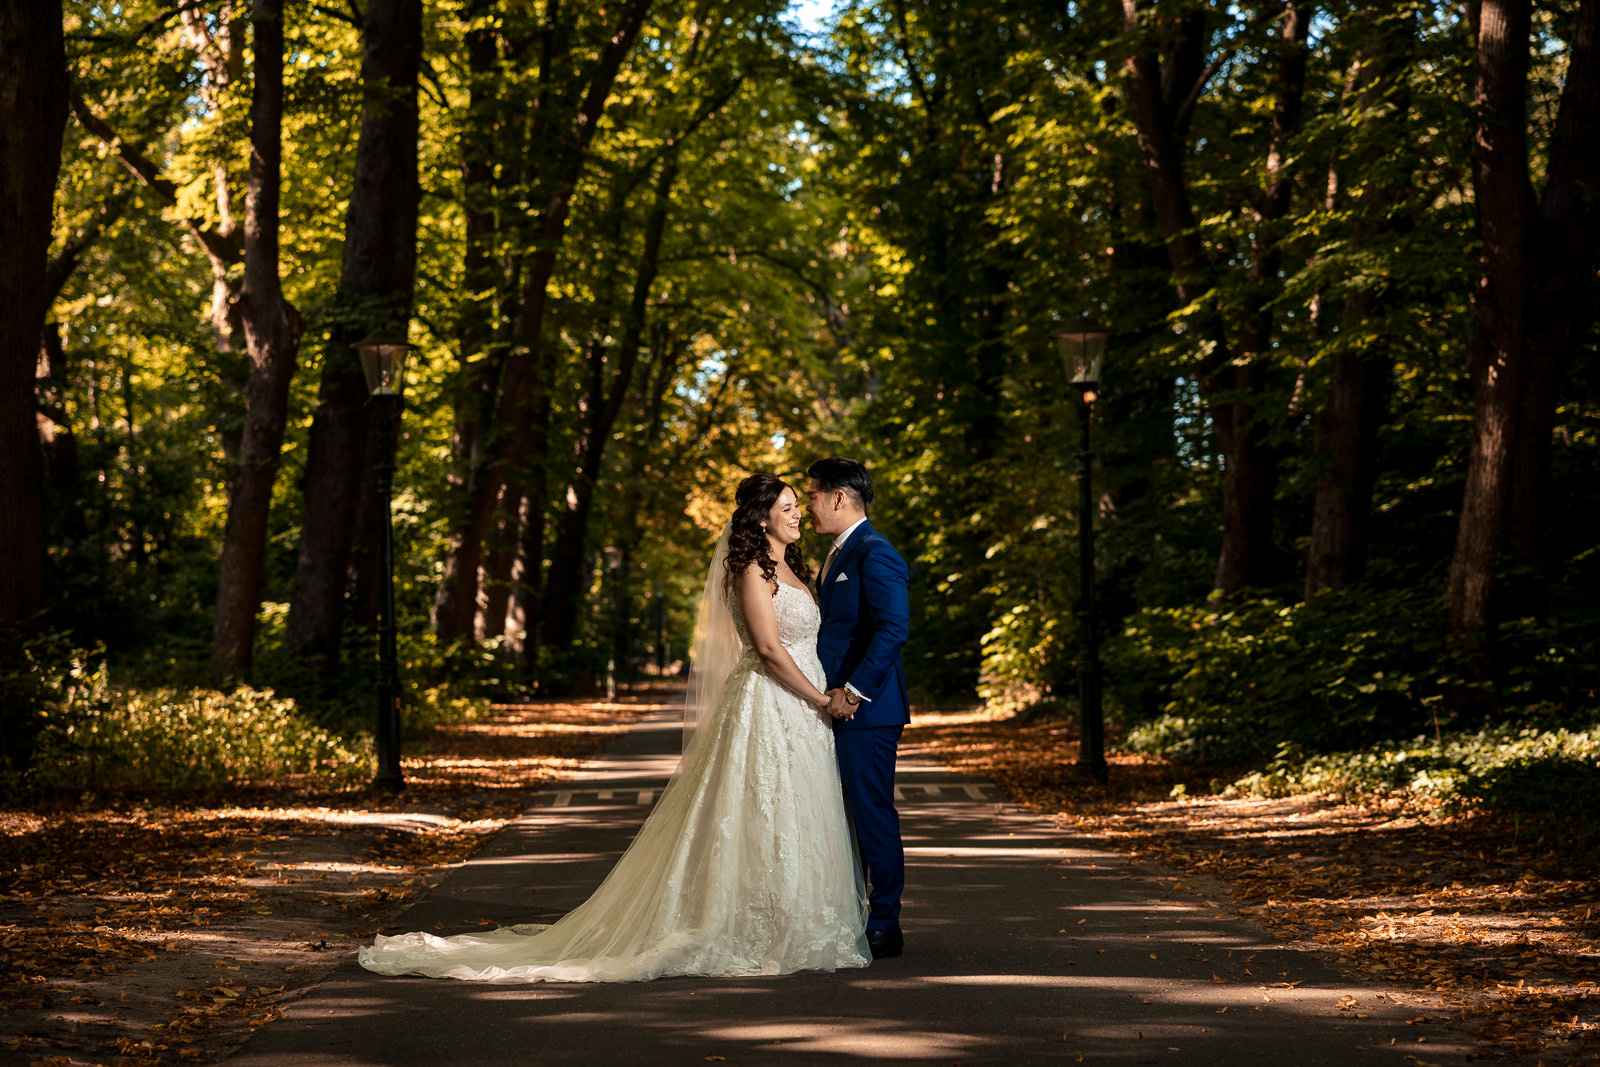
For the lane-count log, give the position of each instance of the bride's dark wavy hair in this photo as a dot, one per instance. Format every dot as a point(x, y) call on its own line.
point(747, 540)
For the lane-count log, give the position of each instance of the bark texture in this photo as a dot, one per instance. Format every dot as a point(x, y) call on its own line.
point(376, 284)
point(607, 393)
point(271, 329)
point(1347, 429)
point(1534, 300)
point(33, 103)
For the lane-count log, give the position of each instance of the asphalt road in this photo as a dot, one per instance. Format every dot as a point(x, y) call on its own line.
point(1023, 943)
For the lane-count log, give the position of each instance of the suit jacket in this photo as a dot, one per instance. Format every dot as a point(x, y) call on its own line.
point(866, 616)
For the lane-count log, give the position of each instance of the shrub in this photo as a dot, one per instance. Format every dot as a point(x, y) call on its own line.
point(1543, 782)
point(1231, 682)
point(1507, 769)
point(98, 737)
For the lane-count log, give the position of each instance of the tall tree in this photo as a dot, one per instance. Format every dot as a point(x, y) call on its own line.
point(480, 328)
point(555, 150)
point(375, 290)
point(607, 390)
point(1347, 429)
point(610, 365)
point(1535, 300)
point(1168, 71)
point(33, 95)
point(272, 329)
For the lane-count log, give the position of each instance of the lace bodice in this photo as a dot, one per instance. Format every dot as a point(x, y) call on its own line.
point(799, 618)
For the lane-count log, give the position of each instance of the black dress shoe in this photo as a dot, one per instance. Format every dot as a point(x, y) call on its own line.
point(885, 943)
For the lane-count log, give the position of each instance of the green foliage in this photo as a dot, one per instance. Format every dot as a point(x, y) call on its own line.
point(1542, 780)
point(1551, 800)
point(1227, 683)
point(869, 241)
point(101, 738)
point(1459, 766)
point(93, 735)
point(440, 684)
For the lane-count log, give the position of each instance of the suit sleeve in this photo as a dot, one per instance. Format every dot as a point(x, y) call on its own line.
point(885, 581)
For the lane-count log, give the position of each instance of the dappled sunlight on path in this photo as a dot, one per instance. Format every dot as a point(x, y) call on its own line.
point(171, 926)
point(1025, 941)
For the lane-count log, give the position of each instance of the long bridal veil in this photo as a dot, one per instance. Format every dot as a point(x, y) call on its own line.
point(716, 649)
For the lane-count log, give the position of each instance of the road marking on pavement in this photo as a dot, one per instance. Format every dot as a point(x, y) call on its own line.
point(911, 792)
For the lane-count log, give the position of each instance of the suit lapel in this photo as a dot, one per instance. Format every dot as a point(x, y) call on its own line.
point(845, 557)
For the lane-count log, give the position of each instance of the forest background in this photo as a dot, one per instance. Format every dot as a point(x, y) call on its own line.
point(1346, 432)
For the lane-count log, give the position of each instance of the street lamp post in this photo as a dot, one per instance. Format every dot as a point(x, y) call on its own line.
point(613, 556)
point(1083, 346)
point(661, 630)
point(383, 355)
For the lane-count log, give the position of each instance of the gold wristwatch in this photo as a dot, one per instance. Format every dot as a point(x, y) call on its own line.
point(851, 699)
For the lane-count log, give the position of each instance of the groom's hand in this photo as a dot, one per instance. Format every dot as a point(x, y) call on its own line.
point(838, 707)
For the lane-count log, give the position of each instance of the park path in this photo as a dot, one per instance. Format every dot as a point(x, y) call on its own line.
point(1024, 942)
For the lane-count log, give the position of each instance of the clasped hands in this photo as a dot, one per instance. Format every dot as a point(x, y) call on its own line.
point(838, 706)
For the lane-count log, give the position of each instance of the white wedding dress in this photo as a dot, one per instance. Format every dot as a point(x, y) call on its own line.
point(746, 866)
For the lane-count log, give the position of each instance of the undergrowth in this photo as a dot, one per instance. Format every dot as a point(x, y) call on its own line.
point(91, 736)
point(1544, 782)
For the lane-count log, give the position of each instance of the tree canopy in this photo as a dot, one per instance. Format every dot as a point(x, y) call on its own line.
point(644, 248)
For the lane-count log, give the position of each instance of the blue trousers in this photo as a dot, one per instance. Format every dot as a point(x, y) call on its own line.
point(866, 766)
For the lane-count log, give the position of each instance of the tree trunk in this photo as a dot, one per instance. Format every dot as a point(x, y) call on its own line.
point(272, 338)
point(1347, 442)
point(1347, 430)
point(605, 402)
point(1567, 221)
point(1533, 303)
point(1161, 94)
point(57, 442)
point(499, 562)
point(479, 351)
point(523, 410)
point(1250, 463)
point(527, 577)
point(375, 291)
point(33, 100)
point(366, 554)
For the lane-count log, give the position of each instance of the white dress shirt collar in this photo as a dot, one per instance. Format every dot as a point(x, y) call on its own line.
point(838, 542)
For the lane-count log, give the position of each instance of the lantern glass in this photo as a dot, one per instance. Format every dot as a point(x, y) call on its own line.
point(383, 361)
point(1083, 348)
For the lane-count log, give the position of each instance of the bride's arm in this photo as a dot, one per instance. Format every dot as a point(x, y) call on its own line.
point(761, 620)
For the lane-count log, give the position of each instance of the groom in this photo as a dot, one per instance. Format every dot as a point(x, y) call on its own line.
point(865, 615)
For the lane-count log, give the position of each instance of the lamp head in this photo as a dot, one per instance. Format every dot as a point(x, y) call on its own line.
point(1082, 344)
point(383, 361)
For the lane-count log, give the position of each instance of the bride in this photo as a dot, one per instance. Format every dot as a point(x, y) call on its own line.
point(746, 866)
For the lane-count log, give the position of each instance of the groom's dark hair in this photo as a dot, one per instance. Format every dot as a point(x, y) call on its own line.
point(837, 472)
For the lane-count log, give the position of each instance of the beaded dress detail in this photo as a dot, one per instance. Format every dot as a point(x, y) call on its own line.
point(746, 866)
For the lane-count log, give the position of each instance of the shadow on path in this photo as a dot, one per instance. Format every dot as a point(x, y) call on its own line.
point(1023, 942)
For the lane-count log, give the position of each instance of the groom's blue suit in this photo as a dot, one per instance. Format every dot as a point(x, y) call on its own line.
point(866, 616)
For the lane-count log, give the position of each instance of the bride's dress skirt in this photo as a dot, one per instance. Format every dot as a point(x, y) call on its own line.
point(746, 866)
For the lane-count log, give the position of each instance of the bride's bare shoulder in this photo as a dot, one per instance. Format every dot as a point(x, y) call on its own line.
point(749, 577)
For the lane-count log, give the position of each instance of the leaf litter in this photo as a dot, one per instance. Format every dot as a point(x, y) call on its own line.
point(155, 930)
point(1502, 934)
point(141, 931)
